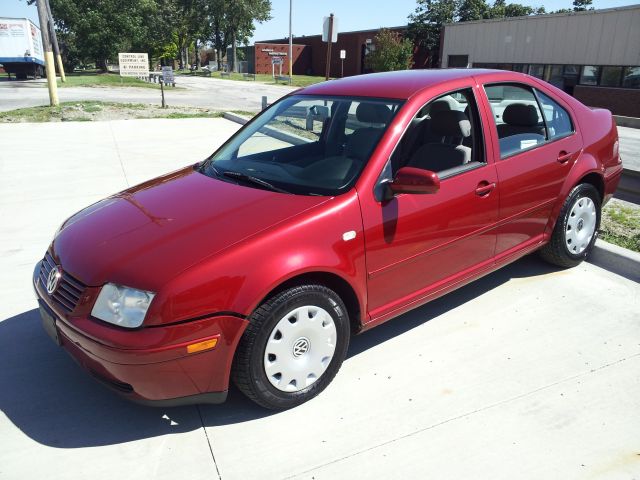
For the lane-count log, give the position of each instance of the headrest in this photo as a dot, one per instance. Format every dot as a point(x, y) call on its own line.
point(373, 113)
point(450, 123)
point(521, 115)
point(439, 106)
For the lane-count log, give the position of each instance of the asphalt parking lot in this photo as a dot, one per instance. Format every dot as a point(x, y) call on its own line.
point(201, 92)
point(531, 372)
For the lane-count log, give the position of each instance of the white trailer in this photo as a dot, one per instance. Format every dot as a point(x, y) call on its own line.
point(21, 51)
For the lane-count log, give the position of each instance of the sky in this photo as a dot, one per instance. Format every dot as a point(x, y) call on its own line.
point(308, 14)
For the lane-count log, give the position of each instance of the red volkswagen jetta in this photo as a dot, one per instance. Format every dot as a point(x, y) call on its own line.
point(339, 207)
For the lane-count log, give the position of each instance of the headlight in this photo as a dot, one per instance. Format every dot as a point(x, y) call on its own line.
point(122, 306)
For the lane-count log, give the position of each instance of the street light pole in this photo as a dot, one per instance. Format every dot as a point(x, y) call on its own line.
point(290, 42)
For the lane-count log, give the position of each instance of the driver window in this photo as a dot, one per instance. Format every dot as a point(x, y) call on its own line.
point(444, 136)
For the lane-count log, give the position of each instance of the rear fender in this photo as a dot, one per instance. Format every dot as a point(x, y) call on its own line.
point(583, 166)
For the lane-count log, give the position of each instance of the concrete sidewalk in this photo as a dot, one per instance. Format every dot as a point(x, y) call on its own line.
point(528, 373)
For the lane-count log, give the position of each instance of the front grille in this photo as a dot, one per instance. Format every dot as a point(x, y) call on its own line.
point(69, 290)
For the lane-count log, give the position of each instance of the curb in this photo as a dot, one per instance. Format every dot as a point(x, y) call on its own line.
point(235, 118)
point(629, 122)
point(616, 259)
point(629, 186)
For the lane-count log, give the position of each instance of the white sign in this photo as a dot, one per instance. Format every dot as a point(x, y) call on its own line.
point(133, 64)
point(325, 30)
point(167, 75)
point(343, 54)
point(276, 60)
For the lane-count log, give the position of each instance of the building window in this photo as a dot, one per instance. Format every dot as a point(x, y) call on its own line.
point(556, 76)
point(590, 75)
point(458, 61)
point(611, 76)
point(631, 77)
point(536, 71)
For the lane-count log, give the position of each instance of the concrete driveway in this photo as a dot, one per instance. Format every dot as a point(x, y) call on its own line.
point(195, 91)
point(531, 372)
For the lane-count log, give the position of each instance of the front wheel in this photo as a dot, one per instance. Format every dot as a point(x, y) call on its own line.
point(576, 229)
point(293, 347)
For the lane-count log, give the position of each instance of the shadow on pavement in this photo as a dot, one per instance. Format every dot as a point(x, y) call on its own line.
point(528, 266)
point(54, 402)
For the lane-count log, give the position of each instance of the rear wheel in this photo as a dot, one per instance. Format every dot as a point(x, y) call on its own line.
point(293, 347)
point(576, 229)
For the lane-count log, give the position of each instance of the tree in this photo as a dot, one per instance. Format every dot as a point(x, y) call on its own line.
point(97, 31)
point(502, 9)
point(392, 52)
point(473, 10)
point(425, 25)
point(582, 5)
point(232, 22)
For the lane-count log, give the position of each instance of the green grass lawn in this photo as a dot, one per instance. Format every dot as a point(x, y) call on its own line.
point(103, 79)
point(621, 225)
point(89, 111)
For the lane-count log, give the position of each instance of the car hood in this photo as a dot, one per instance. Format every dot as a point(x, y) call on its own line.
point(148, 234)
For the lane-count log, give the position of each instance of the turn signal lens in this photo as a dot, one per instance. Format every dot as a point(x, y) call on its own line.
point(201, 346)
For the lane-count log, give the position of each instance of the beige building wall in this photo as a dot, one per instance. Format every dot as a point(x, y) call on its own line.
point(601, 37)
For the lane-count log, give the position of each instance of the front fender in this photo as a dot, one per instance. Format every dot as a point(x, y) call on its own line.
point(238, 279)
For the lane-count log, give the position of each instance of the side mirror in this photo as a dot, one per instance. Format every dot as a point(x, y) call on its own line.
point(414, 180)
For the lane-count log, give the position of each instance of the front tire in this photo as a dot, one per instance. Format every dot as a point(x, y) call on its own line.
point(576, 229)
point(293, 347)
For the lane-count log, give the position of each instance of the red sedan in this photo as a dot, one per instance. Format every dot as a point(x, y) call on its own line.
point(338, 208)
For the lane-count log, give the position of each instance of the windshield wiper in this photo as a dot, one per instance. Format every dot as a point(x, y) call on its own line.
point(254, 180)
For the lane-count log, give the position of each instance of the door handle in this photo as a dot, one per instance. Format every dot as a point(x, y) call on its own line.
point(484, 188)
point(564, 157)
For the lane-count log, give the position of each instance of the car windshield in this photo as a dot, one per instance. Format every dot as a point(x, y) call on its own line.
point(306, 145)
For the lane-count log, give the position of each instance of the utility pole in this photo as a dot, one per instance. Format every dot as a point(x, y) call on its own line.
point(48, 54)
point(290, 42)
point(54, 40)
point(329, 42)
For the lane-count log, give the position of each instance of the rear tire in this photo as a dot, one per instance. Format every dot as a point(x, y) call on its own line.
point(293, 347)
point(576, 228)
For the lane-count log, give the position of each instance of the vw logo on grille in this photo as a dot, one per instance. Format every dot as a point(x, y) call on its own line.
point(300, 347)
point(53, 279)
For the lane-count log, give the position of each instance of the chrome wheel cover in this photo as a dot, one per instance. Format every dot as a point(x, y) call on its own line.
point(581, 225)
point(300, 348)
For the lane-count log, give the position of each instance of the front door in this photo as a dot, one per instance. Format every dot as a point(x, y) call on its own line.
point(417, 244)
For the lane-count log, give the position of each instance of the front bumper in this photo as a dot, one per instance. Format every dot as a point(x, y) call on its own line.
point(148, 365)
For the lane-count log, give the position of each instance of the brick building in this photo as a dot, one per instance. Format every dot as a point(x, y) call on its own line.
point(310, 53)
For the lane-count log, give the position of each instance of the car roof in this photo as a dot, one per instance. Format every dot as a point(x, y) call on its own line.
point(402, 84)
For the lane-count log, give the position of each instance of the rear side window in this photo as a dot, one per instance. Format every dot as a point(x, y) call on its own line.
point(518, 118)
point(557, 118)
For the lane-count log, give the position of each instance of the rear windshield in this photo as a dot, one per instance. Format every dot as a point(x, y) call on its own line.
point(306, 145)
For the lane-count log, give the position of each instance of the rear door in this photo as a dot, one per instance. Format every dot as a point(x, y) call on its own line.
point(536, 145)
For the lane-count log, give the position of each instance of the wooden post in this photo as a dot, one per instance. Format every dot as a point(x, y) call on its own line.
point(164, 105)
point(54, 40)
point(329, 42)
point(48, 53)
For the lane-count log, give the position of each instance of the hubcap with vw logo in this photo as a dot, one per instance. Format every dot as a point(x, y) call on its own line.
point(300, 348)
point(53, 280)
